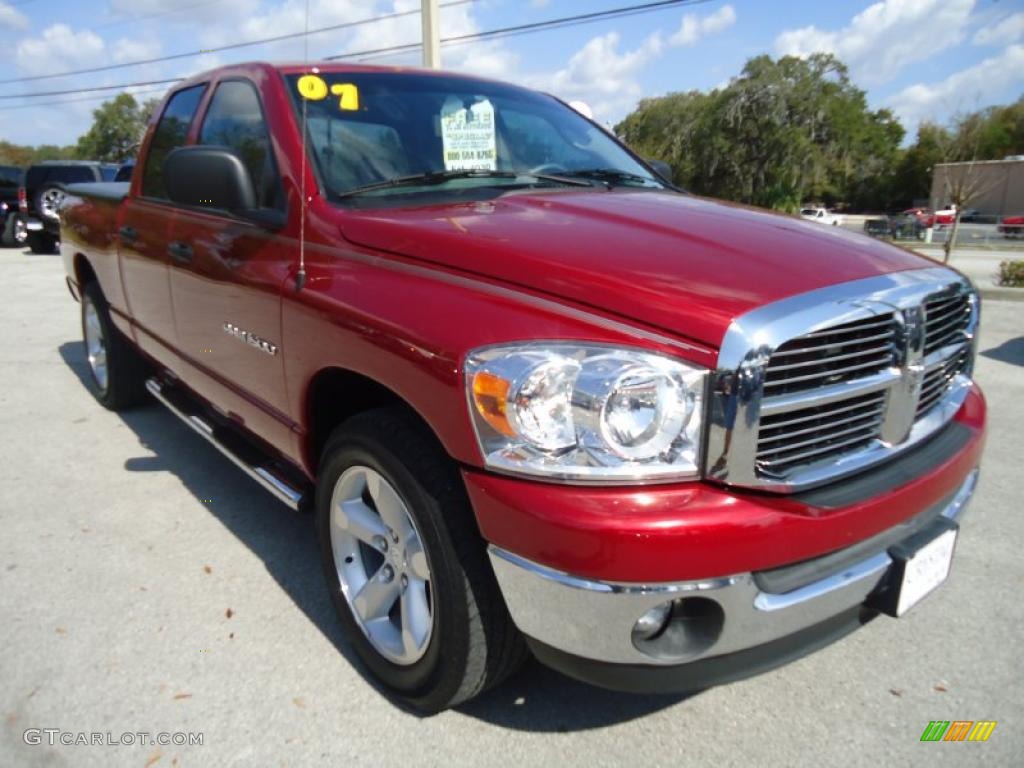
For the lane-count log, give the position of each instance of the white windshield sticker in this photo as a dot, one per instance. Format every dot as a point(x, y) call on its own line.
point(468, 136)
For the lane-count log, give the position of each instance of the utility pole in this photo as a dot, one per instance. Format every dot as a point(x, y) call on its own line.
point(431, 35)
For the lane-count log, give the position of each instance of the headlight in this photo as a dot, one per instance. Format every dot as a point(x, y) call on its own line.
point(586, 413)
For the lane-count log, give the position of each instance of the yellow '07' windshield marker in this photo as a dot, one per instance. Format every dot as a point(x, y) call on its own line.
point(349, 94)
point(312, 87)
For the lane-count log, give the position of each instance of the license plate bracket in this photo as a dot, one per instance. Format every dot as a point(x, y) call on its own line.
point(920, 564)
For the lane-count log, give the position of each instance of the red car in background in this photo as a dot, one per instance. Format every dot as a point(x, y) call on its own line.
point(1011, 226)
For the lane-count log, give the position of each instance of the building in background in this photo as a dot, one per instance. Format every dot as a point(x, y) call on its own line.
point(992, 187)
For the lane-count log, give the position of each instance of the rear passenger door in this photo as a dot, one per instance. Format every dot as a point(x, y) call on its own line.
point(144, 231)
point(227, 274)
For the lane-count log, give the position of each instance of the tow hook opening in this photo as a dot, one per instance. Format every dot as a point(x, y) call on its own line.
point(679, 629)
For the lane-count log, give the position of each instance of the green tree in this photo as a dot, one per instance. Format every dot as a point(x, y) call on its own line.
point(784, 131)
point(116, 131)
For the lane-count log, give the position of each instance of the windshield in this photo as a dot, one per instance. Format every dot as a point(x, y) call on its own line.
point(383, 131)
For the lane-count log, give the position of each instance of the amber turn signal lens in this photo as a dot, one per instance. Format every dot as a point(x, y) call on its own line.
point(490, 395)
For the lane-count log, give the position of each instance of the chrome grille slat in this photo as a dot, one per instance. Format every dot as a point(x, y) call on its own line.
point(880, 362)
point(840, 353)
point(869, 420)
point(841, 329)
point(831, 448)
point(810, 350)
point(887, 349)
point(946, 318)
point(768, 422)
point(940, 316)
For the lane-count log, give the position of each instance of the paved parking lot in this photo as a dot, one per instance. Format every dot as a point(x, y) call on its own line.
point(147, 585)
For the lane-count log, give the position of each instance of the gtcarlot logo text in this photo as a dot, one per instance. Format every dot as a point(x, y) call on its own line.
point(55, 736)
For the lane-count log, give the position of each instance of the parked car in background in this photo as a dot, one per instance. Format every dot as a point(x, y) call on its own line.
point(42, 194)
point(924, 217)
point(1011, 226)
point(822, 216)
point(10, 178)
point(124, 173)
point(945, 217)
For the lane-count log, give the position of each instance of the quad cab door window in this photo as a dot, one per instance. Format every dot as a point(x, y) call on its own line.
point(228, 273)
point(145, 229)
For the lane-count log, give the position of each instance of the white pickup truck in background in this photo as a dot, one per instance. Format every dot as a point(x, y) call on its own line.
point(822, 216)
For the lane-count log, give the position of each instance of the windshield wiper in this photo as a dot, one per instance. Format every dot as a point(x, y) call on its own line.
point(439, 177)
point(607, 175)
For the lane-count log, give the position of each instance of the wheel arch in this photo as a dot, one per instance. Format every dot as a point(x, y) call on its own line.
point(84, 273)
point(335, 394)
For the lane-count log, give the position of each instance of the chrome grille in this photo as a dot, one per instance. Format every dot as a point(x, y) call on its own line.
point(946, 319)
point(827, 383)
point(938, 380)
point(819, 432)
point(832, 355)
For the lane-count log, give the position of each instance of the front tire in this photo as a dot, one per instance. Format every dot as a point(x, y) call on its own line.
point(405, 565)
point(117, 371)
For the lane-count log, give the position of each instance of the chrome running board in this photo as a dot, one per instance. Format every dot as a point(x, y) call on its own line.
point(282, 490)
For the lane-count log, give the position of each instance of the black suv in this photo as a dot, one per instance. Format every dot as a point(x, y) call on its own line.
point(10, 180)
point(42, 194)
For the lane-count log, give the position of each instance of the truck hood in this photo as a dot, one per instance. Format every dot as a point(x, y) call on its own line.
point(679, 263)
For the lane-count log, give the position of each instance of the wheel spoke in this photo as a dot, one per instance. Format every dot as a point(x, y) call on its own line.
point(361, 521)
point(415, 617)
point(378, 594)
point(416, 557)
point(389, 505)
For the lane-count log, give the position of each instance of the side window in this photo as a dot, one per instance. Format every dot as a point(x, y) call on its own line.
point(234, 119)
point(170, 134)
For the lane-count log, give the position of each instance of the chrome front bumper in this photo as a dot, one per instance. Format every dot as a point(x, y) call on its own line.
point(595, 619)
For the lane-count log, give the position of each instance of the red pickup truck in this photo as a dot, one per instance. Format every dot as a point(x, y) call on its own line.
point(538, 399)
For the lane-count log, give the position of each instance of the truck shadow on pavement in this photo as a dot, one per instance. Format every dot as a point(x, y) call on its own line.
point(1010, 351)
point(537, 699)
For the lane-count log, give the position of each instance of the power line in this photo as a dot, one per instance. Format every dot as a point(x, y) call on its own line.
point(230, 47)
point(119, 86)
point(522, 29)
point(170, 12)
point(75, 101)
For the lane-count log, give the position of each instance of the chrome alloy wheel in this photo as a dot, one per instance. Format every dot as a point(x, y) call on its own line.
point(381, 565)
point(50, 202)
point(95, 344)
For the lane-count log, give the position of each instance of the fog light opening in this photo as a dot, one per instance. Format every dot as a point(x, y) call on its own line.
point(679, 629)
point(652, 624)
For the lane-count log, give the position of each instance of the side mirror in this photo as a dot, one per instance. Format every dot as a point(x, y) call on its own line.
point(215, 178)
point(662, 168)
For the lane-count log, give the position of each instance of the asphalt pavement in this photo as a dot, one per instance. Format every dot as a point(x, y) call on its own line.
point(146, 585)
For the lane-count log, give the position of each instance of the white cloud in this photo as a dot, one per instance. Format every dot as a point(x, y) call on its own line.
point(59, 48)
point(1007, 30)
point(694, 27)
point(884, 38)
point(601, 75)
point(984, 83)
point(11, 17)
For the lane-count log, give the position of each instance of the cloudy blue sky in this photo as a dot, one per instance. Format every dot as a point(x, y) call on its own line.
point(926, 59)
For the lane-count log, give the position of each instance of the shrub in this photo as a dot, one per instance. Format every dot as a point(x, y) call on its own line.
point(1011, 273)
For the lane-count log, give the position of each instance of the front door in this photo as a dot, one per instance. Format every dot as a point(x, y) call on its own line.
point(227, 276)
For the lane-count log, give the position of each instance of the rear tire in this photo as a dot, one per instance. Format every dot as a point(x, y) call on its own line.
point(41, 243)
point(471, 643)
point(49, 199)
point(117, 371)
point(7, 238)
